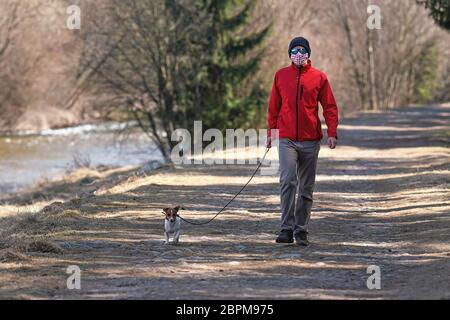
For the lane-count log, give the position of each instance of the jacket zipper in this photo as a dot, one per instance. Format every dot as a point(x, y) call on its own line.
point(301, 97)
point(296, 104)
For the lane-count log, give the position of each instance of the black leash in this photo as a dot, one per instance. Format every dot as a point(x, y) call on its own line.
point(256, 170)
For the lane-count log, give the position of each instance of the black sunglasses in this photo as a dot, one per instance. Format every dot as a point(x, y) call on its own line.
point(301, 50)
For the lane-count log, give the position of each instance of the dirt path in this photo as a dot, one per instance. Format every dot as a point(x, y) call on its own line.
point(382, 198)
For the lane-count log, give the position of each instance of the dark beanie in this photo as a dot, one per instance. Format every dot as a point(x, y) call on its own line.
point(299, 41)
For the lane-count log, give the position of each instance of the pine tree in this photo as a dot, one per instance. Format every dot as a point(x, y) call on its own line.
point(228, 99)
point(439, 10)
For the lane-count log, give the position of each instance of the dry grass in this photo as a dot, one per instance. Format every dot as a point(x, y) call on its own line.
point(32, 231)
point(9, 255)
point(44, 246)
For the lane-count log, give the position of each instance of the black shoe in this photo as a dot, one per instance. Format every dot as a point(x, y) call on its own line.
point(285, 236)
point(301, 238)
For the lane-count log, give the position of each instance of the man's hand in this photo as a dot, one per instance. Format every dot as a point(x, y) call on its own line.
point(332, 142)
point(269, 142)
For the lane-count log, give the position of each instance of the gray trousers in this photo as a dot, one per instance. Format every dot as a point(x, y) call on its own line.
point(298, 163)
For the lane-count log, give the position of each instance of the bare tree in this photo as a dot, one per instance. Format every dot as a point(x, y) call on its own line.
point(141, 56)
point(405, 39)
point(371, 65)
point(11, 72)
point(291, 20)
point(385, 63)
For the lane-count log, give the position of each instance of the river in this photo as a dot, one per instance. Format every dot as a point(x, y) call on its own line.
point(27, 158)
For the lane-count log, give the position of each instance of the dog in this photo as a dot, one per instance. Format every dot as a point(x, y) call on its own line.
point(172, 224)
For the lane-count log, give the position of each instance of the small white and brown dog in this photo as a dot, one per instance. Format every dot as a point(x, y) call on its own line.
point(172, 224)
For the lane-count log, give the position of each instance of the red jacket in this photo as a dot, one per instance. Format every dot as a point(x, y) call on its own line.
point(300, 121)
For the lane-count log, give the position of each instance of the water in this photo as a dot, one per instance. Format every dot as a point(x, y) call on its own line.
point(25, 159)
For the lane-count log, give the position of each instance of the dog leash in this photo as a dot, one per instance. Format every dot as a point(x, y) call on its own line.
point(245, 185)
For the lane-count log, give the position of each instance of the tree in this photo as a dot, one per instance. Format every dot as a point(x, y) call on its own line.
point(13, 64)
point(167, 63)
point(427, 82)
point(142, 56)
point(229, 95)
point(387, 64)
point(439, 10)
point(348, 13)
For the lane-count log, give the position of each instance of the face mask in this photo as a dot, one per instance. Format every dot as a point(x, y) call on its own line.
point(299, 59)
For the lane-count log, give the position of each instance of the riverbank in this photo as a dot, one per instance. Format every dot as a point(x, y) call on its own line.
point(81, 183)
point(382, 198)
point(37, 158)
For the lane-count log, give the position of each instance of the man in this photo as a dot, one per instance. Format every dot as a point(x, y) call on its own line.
point(293, 110)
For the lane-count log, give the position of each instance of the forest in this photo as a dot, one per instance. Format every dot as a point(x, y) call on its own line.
point(165, 63)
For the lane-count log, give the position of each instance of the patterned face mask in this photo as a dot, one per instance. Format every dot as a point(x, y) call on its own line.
point(299, 59)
